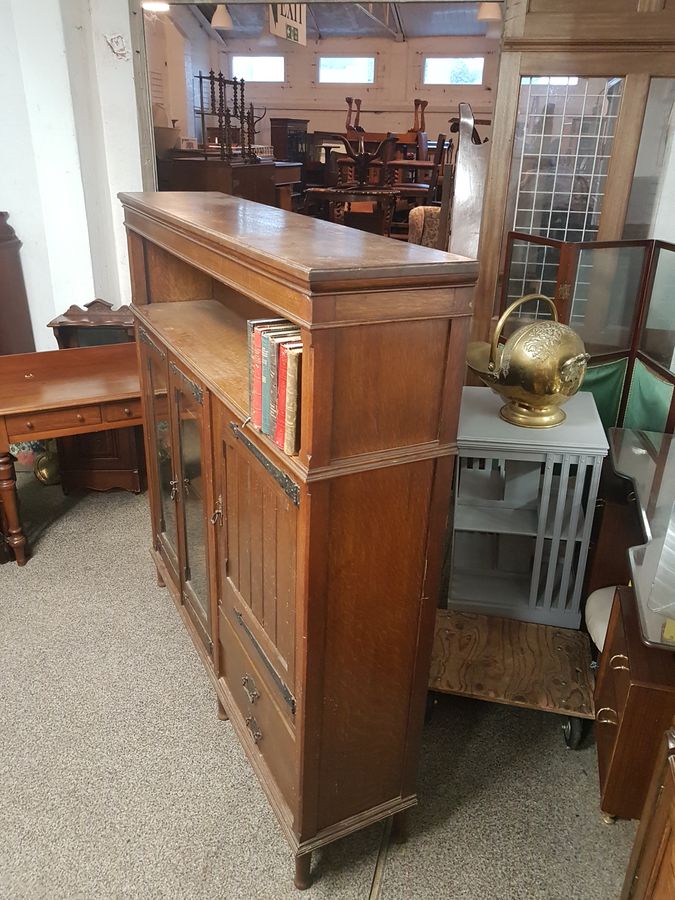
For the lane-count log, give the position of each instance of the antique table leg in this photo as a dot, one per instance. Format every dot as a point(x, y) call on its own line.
point(14, 537)
point(303, 878)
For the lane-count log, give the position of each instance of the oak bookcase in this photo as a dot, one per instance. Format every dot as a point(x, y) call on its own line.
point(309, 584)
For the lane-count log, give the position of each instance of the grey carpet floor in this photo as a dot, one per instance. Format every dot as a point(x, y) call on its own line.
point(117, 779)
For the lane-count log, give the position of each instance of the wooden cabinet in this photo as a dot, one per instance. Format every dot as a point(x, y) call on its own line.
point(106, 459)
point(308, 583)
point(289, 139)
point(634, 704)
point(252, 181)
point(651, 870)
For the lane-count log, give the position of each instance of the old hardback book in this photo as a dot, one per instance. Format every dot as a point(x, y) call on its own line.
point(280, 424)
point(293, 383)
point(275, 342)
point(308, 583)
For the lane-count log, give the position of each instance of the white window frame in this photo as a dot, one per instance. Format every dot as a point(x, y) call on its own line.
point(452, 84)
point(281, 56)
point(365, 84)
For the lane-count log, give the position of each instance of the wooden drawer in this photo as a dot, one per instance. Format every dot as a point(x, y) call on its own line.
point(268, 732)
point(606, 728)
point(616, 663)
point(53, 420)
point(118, 412)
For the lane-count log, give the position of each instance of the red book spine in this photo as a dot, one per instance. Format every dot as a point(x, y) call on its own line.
point(280, 428)
point(256, 364)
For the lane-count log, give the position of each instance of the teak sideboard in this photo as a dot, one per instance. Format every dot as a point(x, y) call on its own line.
point(308, 583)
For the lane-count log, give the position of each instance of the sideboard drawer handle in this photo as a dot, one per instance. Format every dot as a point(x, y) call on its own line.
point(621, 663)
point(249, 688)
point(80, 417)
point(252, 726)
point(127, 411)
point(609, 713)
point(29, 425)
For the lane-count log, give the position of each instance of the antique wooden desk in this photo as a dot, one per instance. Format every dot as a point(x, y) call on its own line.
point(53, 394)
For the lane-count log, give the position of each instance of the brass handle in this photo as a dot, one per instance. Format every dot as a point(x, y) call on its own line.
point(623, 666)
point(174, 488)
point(217, 515)
point(607, 721)
point(79, 417)
point(126, 411)
point(252, 726)
point(504, 316)
point(251, 692)
point(29, 425)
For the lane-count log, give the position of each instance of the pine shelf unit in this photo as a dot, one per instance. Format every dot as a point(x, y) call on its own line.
point(308, 583)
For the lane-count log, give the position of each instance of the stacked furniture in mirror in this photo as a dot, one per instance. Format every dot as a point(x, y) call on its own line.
point(308, 581)
point(105, 459)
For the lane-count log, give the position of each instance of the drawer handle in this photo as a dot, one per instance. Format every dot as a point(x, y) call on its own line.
point(609, 712)
point(79, 417)
point(29, 425)
point(621, 665)
point(252, 726)
point(251, 692)
point(126, 411)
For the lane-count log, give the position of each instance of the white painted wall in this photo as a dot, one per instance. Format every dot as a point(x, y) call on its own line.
point(70, 143)
point(388, 104)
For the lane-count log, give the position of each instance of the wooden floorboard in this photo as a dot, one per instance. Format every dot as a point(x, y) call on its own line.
point(511, 662)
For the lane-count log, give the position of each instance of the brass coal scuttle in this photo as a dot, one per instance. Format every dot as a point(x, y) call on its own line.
point(538, 369)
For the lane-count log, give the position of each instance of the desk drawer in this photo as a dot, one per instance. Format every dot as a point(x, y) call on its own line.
point(53, 420)
point(267, 731)
point(126, 409)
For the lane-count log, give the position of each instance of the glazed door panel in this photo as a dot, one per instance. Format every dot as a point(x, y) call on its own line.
point(162, 476)
point(258, 578)
point(190, 444)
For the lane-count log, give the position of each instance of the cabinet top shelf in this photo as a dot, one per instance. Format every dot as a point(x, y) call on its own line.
point(312, 255)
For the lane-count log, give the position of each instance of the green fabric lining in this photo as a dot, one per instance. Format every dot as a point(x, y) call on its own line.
point(605, 382)
point(649, 399)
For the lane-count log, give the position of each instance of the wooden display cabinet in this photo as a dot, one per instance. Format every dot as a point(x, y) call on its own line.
point(308, 583)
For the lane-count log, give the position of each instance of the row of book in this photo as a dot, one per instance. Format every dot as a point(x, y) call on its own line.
point(275, 360)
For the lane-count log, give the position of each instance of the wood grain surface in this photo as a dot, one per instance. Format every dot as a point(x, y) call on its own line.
point(510, 662)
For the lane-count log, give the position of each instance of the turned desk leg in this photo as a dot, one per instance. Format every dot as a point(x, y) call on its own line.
point(303, 878)
point(14, 537)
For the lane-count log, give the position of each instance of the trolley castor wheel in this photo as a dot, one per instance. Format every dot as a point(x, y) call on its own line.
point(573, 732)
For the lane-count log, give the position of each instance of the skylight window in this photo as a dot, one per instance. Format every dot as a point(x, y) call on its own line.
point(258, 68)
point(347, 69)
point(453, 70)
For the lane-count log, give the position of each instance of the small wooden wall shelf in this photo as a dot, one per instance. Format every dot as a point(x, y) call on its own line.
point(308, 583)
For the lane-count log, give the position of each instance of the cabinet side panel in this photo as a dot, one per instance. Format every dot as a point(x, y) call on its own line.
point(388, 385)
point(376, 561)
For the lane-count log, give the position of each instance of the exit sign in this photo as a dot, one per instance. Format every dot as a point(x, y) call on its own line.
point(287, 20)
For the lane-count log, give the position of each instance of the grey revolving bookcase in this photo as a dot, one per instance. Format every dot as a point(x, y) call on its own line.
point(523, 512)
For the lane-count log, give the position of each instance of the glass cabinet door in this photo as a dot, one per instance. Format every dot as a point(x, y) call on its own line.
point(189, 422)
point(161, 466)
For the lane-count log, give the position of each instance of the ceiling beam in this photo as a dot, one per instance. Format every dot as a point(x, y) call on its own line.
point(397, 17)
point(316, 24)
point(205, 25)
point(367, 10)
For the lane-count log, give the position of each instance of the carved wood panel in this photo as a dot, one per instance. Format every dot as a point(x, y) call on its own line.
point(260, 578)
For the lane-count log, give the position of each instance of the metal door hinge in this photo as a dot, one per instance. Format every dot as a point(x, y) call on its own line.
point(217, 515)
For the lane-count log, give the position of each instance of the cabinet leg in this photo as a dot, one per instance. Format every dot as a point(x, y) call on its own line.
point(608, 818)
point(303, 878)
point(14, 536)
point(399, 827)
point(220, 709)
point(160, 580)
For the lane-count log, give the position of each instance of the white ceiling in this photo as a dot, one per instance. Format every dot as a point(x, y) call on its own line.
point(353, 19)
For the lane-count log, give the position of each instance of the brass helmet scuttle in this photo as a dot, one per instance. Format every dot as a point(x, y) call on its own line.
point(538, 369)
